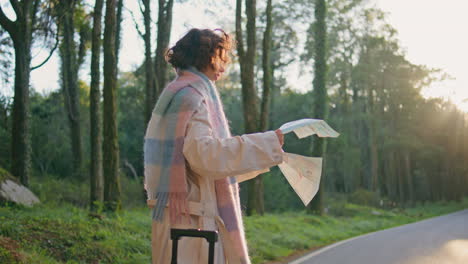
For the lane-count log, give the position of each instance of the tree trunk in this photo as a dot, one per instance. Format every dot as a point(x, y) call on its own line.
point(265, 108)
point(70, 85)
point(20, 32)
point(267, 69)
point(390, 183)
point(342, 110)
point(149, 71)
point(449, 157)
point(373, 151)
point(249, 93)
point(4, 114)
point(460, 184)
point(21, 142)
point(96, 178)
point(463, 186)
point(118, 31)
point(320, 92)
point(164, 35)
point(343, 93)
point(110, 143)
point(409, 176)
point(401, 178)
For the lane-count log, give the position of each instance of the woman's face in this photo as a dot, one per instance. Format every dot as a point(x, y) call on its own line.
point(215, 72)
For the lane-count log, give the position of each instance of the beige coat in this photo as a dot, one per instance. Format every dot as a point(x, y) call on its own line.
point(210, 159)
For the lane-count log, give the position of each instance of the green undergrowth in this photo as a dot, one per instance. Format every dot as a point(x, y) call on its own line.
point(67, 234)
point(64, 233)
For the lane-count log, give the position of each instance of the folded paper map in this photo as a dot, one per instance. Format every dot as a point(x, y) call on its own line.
point(307, 127)
point(303, 174)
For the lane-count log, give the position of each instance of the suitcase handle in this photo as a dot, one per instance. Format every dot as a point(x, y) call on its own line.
point(210, 236)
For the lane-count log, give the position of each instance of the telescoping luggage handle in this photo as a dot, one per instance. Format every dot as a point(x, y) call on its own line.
point(210, 236)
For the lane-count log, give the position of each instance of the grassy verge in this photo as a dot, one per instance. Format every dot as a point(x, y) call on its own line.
point(67, 234)
point(274, 237)
point(52, 233)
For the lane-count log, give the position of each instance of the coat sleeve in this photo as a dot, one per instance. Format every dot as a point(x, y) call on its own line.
point(250, 175)
point(245, 156)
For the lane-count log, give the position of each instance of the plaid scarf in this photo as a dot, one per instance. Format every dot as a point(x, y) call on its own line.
point(165, 165)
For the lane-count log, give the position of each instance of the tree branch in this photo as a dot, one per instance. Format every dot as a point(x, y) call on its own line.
point(240, 41)
point(16, 7)
point(141, 8)
point(6, 23)
point(84, 38)
point(280, 65)
point(137, 27)
point(34, 13)
point(50, 54)
point(132, 169)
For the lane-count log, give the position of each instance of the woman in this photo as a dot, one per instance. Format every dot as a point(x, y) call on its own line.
point(192, 163)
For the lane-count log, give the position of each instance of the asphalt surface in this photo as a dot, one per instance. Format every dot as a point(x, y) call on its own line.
point(439, 240)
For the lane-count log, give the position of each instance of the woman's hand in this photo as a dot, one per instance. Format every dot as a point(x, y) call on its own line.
point(280, 136)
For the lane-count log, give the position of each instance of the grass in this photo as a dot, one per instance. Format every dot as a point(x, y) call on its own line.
point(274, 237)
point(65, 232)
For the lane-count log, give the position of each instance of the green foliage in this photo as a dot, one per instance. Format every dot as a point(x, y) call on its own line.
point(279, 195)
point(51, 151)
point(133, 194)
point(58, 191)
point(58, 233)
point(68, 234)
point(4, 174)
point(374, 101)
point(364, 197)
point(131, 122)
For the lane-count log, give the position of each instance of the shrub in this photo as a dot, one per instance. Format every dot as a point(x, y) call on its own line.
point(53, 190)
point(50, 189)
point(364, 197)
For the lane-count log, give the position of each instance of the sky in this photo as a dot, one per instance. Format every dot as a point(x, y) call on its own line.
point(432, 32)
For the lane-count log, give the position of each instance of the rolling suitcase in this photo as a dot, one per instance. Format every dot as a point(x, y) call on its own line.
point(210, 236)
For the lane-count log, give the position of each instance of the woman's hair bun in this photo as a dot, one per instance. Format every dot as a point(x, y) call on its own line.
point(199, 48)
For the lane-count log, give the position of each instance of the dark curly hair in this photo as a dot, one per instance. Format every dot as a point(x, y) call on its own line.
point(200, 48)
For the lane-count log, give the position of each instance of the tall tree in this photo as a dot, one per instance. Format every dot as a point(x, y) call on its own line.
point(320, 90)
point(96, 177)
point(266, 98)
point(249, 92)
point(21, 32)
point(72, 57)
point(110, 143)
point(162, 42)
point(150, 86)
point(267, 69)
point(118, 30)
point(282, 51)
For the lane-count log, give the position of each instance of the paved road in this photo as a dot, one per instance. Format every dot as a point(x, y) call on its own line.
point(440, 240)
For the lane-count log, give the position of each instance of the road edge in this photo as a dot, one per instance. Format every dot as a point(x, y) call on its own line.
point(312, 254)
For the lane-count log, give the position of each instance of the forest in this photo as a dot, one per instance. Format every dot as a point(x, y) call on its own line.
point(396, 148)
point(394, 143)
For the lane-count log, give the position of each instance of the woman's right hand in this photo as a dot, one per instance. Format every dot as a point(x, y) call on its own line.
point(280, 136)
